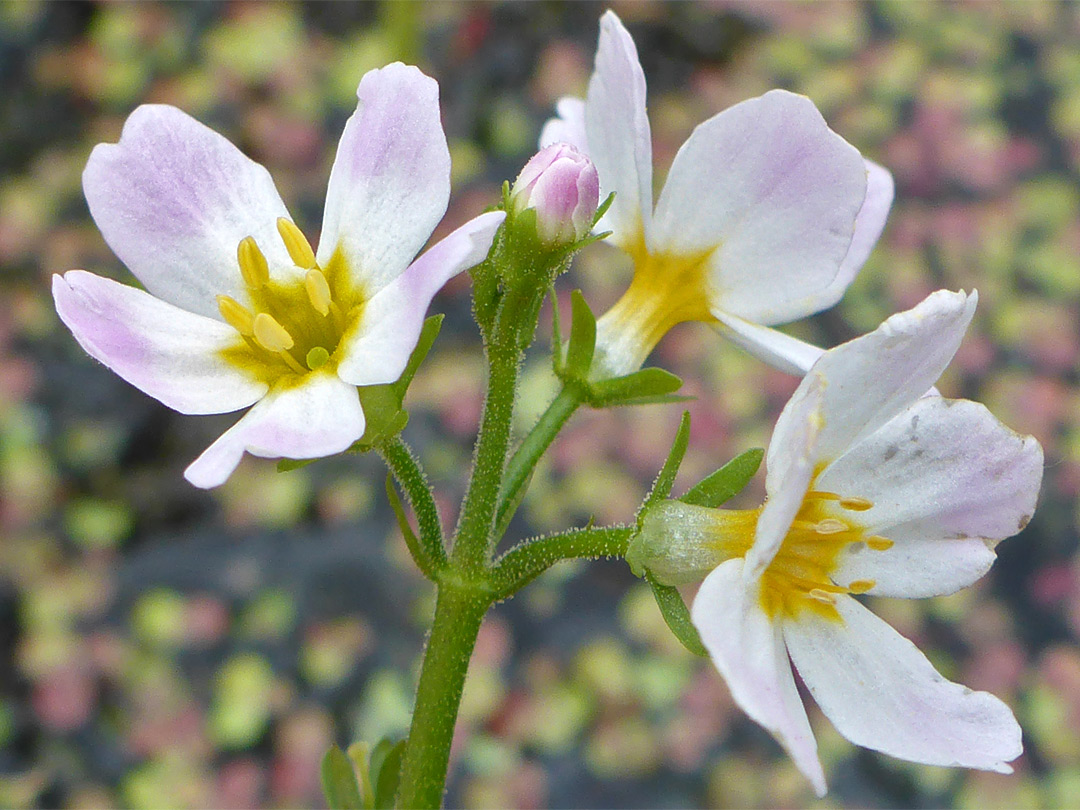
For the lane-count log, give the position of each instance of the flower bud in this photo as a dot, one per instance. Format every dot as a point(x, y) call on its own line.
point(562, 185)
point(680, 543)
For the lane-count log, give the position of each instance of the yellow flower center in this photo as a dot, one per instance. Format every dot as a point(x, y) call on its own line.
point(666, 290)
point(800, 576)
point(289, 329)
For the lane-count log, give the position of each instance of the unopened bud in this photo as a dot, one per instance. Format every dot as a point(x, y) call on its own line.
point(561, 184)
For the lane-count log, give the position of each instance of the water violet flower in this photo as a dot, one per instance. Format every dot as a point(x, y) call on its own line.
point(766, 215)
point(239, 310)
point(873, 488)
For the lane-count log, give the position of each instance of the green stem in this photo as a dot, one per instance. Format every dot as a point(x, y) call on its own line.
point(429, 553)
point(536, 443)
point(475, 538)
point(527, 560)
point(458, 614)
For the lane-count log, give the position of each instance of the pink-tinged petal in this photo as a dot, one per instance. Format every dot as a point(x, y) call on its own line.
point(390, 182)
point(947, 481)
point(320, 417)
point(171, 354)
point(174, 198)
point(568, 126)
point(748, 650)
point(619, 138)
point(790, 463)
point(769, 345)
point(875, 377)
point(774, 193)
point(378, 350)
point(881, 693)
point(869, 224)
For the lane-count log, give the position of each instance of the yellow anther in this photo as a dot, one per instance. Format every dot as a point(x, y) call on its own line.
point(236, 315)
point(270, 334)
point(878, 543)
point(855, 504)
point(830, 526)
point(318, 291)
point(253, 265)
point(296, 243)
point(861, 585)
point(818, 595)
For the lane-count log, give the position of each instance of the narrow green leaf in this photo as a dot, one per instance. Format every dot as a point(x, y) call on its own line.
point(556, 332)
point(647, 383)
point(665, 480)
point(715, 489)
point(339, 781)
point(673, 609)
point(428, 333)
point(386, 771)
point(416, 548)
point(290, 464)
point(579, 353)
point(360, 754)
point(602, 208)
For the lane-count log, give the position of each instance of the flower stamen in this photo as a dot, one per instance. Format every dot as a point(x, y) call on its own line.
point(296, 243)
point(318, 291)
point(273, 337)
point(236, 315)
point(253, 266)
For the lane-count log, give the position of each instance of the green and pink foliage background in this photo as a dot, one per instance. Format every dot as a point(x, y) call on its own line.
point(166, 646)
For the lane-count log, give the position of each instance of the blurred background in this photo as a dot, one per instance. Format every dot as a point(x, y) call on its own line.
point(161, 646)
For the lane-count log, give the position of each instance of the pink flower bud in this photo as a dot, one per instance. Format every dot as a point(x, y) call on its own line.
point(562, 185)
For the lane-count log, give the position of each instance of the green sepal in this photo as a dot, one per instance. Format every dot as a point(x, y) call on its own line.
point(383, 404)
point(677, 616)
point(428, 333)
point(386, 771)
point(582, 343)
point(665, 479)
point(339, 782)
point(649, 385)
point(726, 482)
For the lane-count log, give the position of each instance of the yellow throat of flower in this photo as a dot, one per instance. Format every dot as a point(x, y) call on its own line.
point(800, 576)
point(295, 327)
point(666, 290)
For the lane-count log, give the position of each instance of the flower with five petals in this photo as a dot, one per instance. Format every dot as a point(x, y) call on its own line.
point(238, 308)
point(873, 488)
point(766, 215)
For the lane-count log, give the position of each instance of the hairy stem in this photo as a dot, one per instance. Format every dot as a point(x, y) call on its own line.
point(458, 615)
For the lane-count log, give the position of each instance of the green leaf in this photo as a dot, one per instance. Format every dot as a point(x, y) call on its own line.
point(633, 388)
point(428, 333)
point(556, 332)
point(665, 480)
point(339, 782)
point(602, 209)
point(673, 609)
point(427, 564)
point(290, 464)
point(386, 771)
point(715, 489)
point(579, 353)
point(360, 754)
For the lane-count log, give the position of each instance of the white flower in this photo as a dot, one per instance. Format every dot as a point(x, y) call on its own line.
point(872, 488)
point(239, 310)
point(766, 215)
